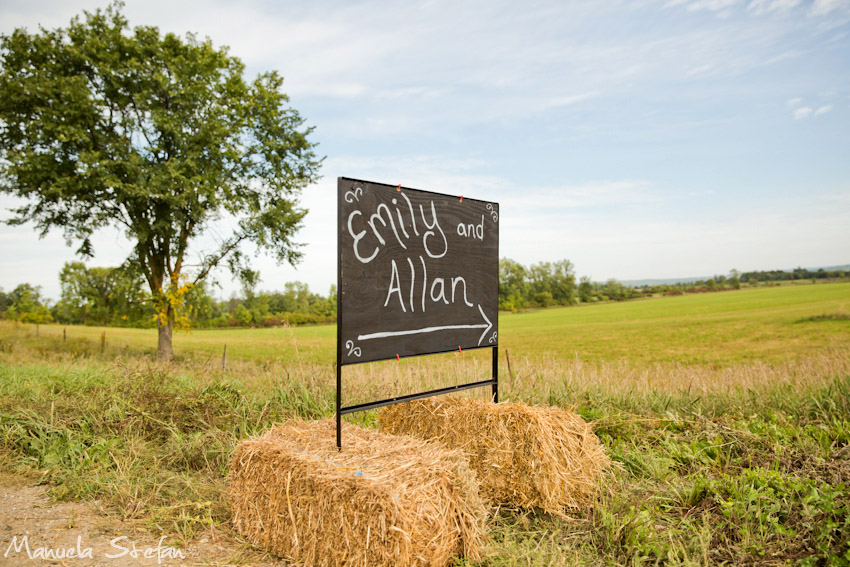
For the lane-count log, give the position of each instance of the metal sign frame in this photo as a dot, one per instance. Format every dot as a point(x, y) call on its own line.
point(341, 410)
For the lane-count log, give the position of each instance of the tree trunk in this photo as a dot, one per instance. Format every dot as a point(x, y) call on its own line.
point(164, 351)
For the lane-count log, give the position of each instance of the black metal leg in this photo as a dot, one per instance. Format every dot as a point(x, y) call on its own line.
point(495, 375)
point(338, 406)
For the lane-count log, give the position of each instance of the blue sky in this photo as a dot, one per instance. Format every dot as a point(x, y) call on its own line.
point(644, 139)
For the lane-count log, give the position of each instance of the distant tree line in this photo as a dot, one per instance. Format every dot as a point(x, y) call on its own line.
point(546, 284)
point(553, 283)
point(736, 279)
point(117, 296)
point(716, 283)
point(795, 274)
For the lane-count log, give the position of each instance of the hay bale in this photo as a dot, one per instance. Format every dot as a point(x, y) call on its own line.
point(525, 456)
point(382, 500)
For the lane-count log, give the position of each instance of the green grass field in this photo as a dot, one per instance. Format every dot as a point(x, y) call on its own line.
point(761, 324)
point(727, 416)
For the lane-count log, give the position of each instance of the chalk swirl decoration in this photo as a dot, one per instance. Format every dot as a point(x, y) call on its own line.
point(353, 195)
point(493, 338)
point(493, 212)
point(352, 350)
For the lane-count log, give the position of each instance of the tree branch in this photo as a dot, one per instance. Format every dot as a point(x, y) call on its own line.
point(141, 124)
point(226, 249)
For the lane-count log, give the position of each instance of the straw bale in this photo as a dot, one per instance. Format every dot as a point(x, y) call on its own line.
point(382, 500)
point(525, 456)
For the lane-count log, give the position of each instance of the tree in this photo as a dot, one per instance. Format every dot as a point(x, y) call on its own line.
point(5, 301)
point(735, 278)
point(585, 289)
point(555, 278)
point(159, 136)
point(563, 282)
point(27, 305)
point(513, 287)
point(101, 296)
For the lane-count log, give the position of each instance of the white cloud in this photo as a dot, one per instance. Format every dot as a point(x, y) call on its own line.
point(760, 7)
point(442, 174)
point(381, 80)
point(420, 93)
point(553, 200)
point(823, 7)
point(802, 112)
point(567, 100)
point(722, 8)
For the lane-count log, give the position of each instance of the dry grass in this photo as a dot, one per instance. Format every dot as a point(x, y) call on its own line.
point(547, 377)
point(525, 456)
point(382, 500)
point(536, 379)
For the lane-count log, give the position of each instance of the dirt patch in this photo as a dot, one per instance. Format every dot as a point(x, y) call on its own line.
point(36, 531)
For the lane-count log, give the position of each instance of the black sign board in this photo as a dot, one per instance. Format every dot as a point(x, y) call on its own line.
point(418, 273)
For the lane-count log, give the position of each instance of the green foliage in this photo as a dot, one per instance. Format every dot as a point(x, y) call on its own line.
point(101, 126)
point(116, 297)
point(735, 279)
point(795, 274)
point(5, 301)
point(543, 284)
point(513, 285)
point(25, 304)
point(556, 278)
point(726, 479)
point(102, 296)
point(243, 315)
point(585, 290)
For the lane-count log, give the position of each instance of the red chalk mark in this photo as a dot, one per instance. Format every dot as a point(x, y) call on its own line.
point(397, 357)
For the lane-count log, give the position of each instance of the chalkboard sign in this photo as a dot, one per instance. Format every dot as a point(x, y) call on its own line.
point(418, 272)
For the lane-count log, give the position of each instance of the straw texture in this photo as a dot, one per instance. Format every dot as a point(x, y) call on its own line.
point(524, 456)
point(382, 500)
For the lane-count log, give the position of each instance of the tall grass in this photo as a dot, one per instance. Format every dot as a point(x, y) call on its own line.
point(738, 459)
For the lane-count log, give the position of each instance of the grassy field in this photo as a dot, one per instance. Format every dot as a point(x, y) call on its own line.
point(727, 416)
point(761, 324)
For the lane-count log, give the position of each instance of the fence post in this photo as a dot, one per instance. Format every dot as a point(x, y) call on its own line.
point(224, 358)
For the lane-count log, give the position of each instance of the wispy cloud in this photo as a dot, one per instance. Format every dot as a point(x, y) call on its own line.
point(723, 8)
point(615, 193)
point(802, 112)
point(561, 101)
point(418, 92)
point(760, 7)
point(593, 122)
point(444, 174)
point(806, 111)
point(823, 7)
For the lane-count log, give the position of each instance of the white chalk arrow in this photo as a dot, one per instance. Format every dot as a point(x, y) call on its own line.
point(384, 334)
